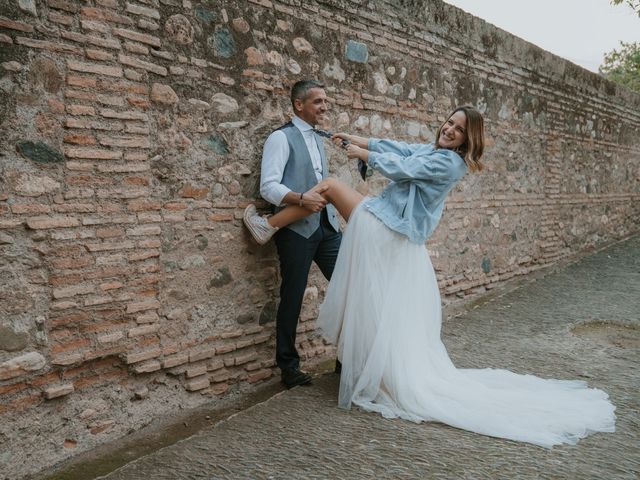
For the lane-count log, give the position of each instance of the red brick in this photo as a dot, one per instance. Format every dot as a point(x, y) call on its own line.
point(108, 337)
point(219, 388)
point(80, 139)
point(99, 55)
point(197, 383)
point(220, 376)
point(75, 208)
point(81, 110)
point(139, 103)
point(30, 208)
point(221, 217)
point(56, 17)
point(201, 354)
point(67, 249)
point(67, 359)
point(125, 142)
point(90, 123)
point(72, 263)
point(136, 36)
point(145, 11)
point(262, 338)
point(222, 349)
point(248, 357)
point(57, 280)
point(244, 343)
point(126, 115)
point(141, 64)
point(150, 304)
point(189, 191)
point(10, 389)
point(73, 290)
point(58, 391)
point(106, 15)
point(143, 255)
point(143, 330)
point(63, 5)
point(93, 153)
point(196, 370)
point(101, 379)
point(107, 246)
point(79, 81)
point(231, 334)
point(50, 46)
point(152, 243)
point(122, 86)
point(260, 375)
point(13, 25)
point(146, 367)
point(37, 223)
point(141, 356)
point(175, 360)
point(143, 205)
point(109, 232)
point(175, 206)
point(72, 345)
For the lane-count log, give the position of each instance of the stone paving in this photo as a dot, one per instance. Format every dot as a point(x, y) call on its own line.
point(581, 321)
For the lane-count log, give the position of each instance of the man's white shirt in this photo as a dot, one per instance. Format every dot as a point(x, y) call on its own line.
point(274, 158)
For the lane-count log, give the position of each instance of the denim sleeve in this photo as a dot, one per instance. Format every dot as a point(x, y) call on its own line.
point(435, 165)
point(383, 145)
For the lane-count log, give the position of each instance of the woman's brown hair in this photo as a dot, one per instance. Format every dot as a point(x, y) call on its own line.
point(473, 147)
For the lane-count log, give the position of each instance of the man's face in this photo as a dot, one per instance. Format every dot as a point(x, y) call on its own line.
point(313, 108)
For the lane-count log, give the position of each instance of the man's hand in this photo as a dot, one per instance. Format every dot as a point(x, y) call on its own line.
point(312, 200)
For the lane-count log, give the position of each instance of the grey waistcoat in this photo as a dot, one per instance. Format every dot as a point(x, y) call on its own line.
point(300, 176)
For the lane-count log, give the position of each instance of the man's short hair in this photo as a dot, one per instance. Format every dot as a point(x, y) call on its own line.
point(300, 90)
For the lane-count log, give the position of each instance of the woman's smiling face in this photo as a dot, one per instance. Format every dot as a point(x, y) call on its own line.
point(454, 131)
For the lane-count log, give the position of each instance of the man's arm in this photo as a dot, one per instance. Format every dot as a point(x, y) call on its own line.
point(274, 158)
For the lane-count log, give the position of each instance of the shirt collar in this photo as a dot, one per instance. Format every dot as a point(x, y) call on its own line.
point(301, 124)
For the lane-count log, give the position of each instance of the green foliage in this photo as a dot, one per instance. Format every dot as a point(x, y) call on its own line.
point(634, 4)
point(623, 66)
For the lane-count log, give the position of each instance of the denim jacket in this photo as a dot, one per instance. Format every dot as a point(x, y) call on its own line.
point(422, 176)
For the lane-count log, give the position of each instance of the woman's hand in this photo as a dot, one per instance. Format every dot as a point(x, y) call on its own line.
point(361, 142)
point(353, 151)
point(341, 139)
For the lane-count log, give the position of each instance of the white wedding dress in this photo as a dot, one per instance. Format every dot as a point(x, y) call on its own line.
point(382, 310)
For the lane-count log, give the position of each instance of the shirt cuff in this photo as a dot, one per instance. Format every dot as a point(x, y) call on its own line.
point(373, 158)
point(276, 196)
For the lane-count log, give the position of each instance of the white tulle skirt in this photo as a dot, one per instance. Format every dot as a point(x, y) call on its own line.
point(382, 310)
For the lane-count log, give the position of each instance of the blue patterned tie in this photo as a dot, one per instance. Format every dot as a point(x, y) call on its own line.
point(362, 167)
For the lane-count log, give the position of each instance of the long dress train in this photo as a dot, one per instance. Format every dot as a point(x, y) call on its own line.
point(382, 310)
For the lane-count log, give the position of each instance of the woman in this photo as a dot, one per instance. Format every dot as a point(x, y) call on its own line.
point(382, 307)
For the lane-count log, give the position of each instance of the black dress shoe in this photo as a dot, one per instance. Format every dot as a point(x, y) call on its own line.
point(338, 368)
point(293, 378)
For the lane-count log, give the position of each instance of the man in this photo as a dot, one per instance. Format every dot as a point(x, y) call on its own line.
point(293, 162)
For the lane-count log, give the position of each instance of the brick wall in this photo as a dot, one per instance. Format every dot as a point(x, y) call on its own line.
point(131, 134)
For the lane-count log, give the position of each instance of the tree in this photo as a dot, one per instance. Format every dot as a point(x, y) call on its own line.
point(634, 4)
point(623, 66)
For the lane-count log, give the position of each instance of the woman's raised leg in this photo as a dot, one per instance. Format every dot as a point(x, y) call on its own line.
point(342, 196)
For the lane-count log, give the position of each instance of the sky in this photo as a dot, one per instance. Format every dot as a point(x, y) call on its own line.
point(581, 31)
